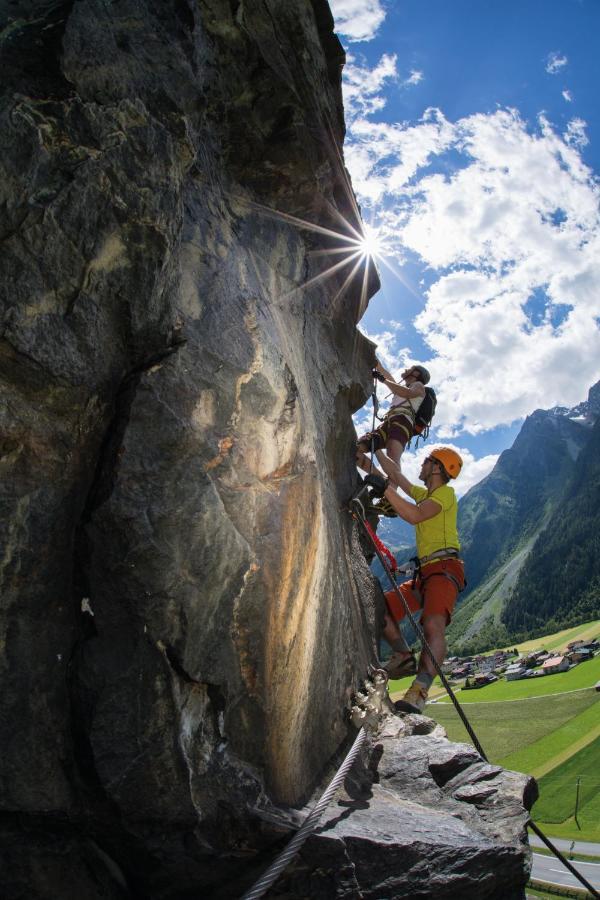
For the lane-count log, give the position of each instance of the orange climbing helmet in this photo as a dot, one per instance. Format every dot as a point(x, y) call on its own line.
point(449, 460)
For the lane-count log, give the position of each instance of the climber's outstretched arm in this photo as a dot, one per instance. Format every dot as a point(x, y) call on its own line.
point(410, 512)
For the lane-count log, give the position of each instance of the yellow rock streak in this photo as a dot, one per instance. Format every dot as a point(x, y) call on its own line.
point(292, 633)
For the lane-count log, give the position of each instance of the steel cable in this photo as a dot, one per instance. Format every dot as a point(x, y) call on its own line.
point(308, 826)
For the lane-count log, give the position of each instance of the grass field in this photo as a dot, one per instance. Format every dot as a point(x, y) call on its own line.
point(587, 830)
point(558, 790)
point(552, 892)
point(582, 676)
point(555, 746)
point(560, 639)
point(525, 723)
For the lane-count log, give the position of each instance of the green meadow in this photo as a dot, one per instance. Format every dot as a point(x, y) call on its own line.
point(575, 783)
point(524, 724)
point(543, 754)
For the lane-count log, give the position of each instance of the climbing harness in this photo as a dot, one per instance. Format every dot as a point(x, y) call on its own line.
point(444, 553)
point(413, 568)
point(448, 575)
point(365, 716)
point(356, 511)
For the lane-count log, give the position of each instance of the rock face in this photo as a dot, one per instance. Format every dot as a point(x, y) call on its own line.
point(184, 612)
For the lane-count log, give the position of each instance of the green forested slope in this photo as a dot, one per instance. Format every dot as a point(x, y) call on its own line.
point(504, 509)
point(559, 584)
point(527, 525)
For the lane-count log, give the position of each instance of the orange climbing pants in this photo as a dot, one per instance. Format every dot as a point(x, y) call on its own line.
point(438, 593)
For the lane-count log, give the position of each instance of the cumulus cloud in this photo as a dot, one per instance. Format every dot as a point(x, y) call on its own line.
point(555, 62)
point(383, 158)
point(504, 217)
point(357, 20)
point(362, 86)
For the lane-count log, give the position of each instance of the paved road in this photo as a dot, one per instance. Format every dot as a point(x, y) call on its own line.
point(565, 846)
point(549, 869)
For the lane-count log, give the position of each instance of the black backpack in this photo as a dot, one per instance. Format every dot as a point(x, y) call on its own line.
point(425, 413)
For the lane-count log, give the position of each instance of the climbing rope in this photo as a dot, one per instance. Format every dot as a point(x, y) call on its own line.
point(357, 514)
point(308, 826)
point(381, 547)
point(375, 412)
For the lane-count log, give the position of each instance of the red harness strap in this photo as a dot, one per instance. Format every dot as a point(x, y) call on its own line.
point(385, 551)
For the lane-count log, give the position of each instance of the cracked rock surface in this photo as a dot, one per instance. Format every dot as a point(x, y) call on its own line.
point(184, 608)
point(179, 591)
point(419, 817)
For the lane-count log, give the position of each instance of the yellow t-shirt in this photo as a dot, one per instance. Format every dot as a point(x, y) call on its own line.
point(439, 531)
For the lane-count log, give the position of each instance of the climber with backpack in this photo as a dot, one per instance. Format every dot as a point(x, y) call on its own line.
point(437, 570)
point(405, 417)
point(410, 414)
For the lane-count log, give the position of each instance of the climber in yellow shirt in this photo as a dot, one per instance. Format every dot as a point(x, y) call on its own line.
point(440, 576)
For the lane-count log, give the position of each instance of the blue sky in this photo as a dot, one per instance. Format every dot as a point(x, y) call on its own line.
point(473, 143)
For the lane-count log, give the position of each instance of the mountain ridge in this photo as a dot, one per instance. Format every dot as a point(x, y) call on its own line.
point(503, 519)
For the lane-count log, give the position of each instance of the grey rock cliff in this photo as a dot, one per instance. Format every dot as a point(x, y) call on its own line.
point(421, 817)
point(184, 610)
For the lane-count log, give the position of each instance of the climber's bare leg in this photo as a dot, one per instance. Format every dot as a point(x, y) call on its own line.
point(393, 450)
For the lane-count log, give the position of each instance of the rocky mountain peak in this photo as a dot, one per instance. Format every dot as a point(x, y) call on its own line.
point(585, 412)
point(594, 400)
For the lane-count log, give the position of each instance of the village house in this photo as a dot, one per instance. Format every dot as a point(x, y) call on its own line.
point(555, 664)
point(581, 654)
point(515, 672)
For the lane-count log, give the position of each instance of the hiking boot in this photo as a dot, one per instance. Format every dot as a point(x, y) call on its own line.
point(414, 699)
point(384, 508)
point(401, 664)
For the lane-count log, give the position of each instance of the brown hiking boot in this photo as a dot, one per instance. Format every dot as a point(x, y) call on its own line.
point(414, 699)
point(399, 665)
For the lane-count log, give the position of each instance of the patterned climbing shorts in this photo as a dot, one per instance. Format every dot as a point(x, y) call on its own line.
point(394, 427)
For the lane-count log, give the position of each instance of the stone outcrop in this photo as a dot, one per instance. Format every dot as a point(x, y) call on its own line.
point(184, 611)
point(421, 817)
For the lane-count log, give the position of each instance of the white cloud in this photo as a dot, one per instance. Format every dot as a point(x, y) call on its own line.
point(394, 358)
point(568, 96)
point(357, 20)
point(415, 77)
point(362, 86)
point(385, 157)
point(555, 62)
point(505, 219)
point(575, 134)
